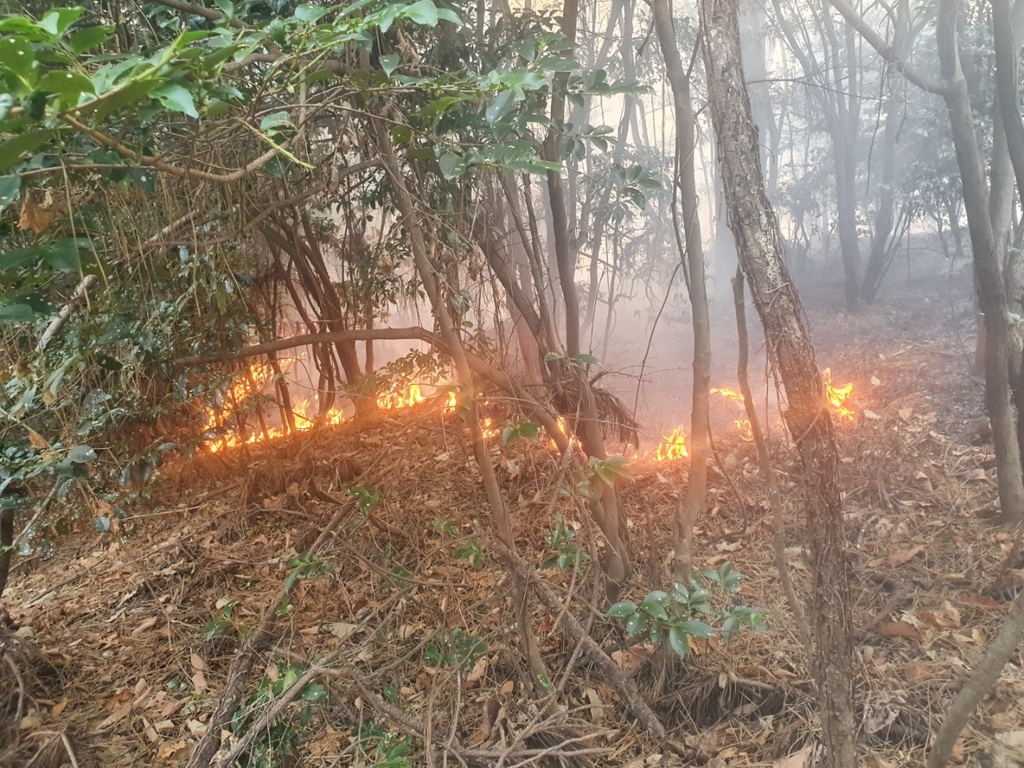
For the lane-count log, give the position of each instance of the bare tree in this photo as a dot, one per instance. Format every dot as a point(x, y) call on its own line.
point(760, 249)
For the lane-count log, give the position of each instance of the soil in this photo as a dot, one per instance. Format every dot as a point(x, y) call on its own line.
point(122, 641)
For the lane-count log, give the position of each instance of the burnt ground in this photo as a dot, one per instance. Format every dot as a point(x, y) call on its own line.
point(126, 638)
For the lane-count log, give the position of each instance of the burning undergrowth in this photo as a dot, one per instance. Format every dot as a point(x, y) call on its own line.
point(408, 611)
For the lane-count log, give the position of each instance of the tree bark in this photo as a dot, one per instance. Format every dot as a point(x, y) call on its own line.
point(693, 501)
point(760, 247)
point(986, 247)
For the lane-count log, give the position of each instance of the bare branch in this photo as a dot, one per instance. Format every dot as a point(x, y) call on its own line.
point(887, 52)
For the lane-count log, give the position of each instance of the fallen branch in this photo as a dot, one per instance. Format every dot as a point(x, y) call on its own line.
point(623, 684)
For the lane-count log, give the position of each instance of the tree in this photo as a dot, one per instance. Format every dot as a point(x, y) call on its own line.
point(760, 248)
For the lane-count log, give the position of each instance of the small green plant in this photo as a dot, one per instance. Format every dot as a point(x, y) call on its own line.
point(526, 429)
point(680, 614)
point(282, 738)
point(470, 551)
point(447, 527)
point(454, 649)
point(564, 551)
point(224, 623)
point(380, 746)
point(303, 567)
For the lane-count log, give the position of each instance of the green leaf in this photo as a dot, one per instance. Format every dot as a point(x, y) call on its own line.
point(82, 454)
point(18, 256)
point(309, 13)
point(654, 605)
point(18, 58)
point(16, 313)
point(499, 106)
point(226, 7)
point(144, 178)
point(275, 122)
point(586, 360)
point(678, 641)
point(83, 40)
point(59, 19)
point(10, 186)
point(636, 623)
point(176, 98)
point(422, 12)
point(389, 63)
point(66, 84)
point(622, 610)
point(66, 255)
point(13, 150)
point(697, 629)
point(452, 166)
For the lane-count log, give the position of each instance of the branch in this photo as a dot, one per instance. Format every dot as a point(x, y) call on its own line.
point(415, 333)
point(197, 10)
point(185, 173)
point(887, 52)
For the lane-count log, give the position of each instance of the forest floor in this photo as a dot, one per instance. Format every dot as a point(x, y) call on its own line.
point(126, 638)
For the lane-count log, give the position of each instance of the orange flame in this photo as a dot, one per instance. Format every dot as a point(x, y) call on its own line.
point(837, 397)
point(252, 383)
point(742, 423)
point(672, 447)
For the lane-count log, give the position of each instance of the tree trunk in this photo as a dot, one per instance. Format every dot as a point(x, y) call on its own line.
point(879, 258)
point(693, 501)
point(987, 256)
point(760, 248)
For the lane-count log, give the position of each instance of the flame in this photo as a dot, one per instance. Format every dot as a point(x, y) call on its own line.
point(392, 401)
point(250, 384)
point(672, 447)
point(837, 397)
point(742, 423)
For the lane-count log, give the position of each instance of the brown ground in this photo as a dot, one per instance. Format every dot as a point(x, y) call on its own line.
point(126, 638)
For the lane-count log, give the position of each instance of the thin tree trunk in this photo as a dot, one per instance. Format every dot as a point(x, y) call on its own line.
point(695, 498)
point(760, 247)
point(451, 339)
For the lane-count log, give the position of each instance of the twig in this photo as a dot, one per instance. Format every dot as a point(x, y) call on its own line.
point(269, 714)
point(20, 711)
point(623, 684)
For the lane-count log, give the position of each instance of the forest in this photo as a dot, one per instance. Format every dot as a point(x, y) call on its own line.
point(489, 384)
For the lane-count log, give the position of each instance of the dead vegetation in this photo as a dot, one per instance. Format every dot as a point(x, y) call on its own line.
point(394, 644)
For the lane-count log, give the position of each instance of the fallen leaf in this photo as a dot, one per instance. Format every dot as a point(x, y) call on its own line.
point(172, 751)
point(916, 671)
point(875, 382)
point(906, 413)
point(196, 728)
point(31, 721)
point(147, 624)
point(799, 759)
point(871, 415)
point(342, 630)
point(905, 556)
point(978, 475)
point(116, 715)
point(507, 687)
point(985, 603)
point(197, 663)
point(59, 707)
point(199, 681)
point(898, 629)
point(631, 659)
point(478, 672)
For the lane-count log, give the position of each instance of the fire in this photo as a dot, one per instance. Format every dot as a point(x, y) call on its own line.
point(237, 403)
point(837, 397)
point(392, 401)
point(742, 423)
point(672, 447)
